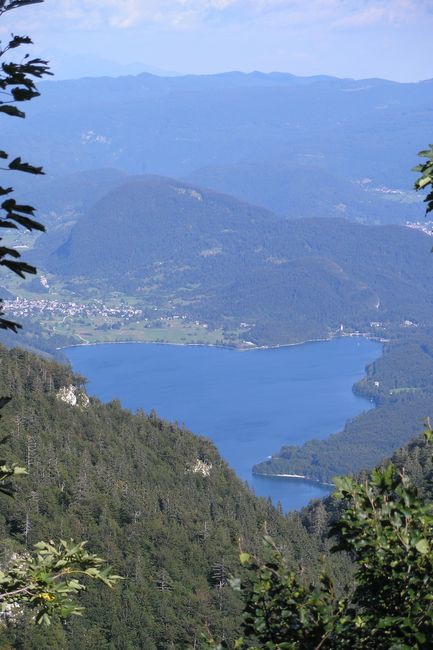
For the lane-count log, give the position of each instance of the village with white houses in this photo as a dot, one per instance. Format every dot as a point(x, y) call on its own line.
point(26, 308)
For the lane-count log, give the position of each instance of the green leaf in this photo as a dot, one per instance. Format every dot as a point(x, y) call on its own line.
point(235, 584)
point(20, 268)
point(422, 546)
point(30, 224)
point(19, 40)
point(13, 4)
point(18, 471)
point(18, 165)
point(11, 110)
point(4, 250)
point(24, 94)
point(422, 182)
point(425, 153)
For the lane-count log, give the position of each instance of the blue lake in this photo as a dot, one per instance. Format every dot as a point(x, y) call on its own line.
point(249, 403)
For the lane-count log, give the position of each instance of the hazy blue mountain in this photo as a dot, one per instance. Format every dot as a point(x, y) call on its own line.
point(174, 126)
point(61, 199)
point(67, 66)
point(150, 221)
point(303, 190)
point(170, 217)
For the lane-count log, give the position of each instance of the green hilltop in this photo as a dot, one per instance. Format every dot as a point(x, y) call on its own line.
point(213, 258)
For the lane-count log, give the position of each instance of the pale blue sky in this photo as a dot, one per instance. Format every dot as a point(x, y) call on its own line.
point(356, 38)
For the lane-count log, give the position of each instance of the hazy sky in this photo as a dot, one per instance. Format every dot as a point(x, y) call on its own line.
point(356, 38)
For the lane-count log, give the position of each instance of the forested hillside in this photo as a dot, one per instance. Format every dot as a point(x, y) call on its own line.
point(194, 252)
point(414, 458)
point(156, 501)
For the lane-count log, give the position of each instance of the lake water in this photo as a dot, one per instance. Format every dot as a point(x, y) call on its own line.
point(249, 403)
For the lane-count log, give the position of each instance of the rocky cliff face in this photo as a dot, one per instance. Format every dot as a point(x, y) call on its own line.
point(73, 395)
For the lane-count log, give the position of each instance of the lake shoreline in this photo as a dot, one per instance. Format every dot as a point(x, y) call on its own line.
point(272, 375)
point(298, 477)
point(236, 348)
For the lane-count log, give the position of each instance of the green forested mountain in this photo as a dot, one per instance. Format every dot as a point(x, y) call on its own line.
point(61, 200)
point(149, 220)
point(211, 257)
point(156, 501)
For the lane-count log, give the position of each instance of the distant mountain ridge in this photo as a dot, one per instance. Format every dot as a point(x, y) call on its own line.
point(304, 190)
point(174, 126)
point(79, 66)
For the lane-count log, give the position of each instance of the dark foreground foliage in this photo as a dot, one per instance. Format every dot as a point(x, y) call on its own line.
point(387, 530)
